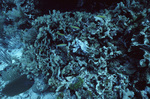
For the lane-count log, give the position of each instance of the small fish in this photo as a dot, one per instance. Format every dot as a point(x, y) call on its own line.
point(100, 16)
point(40, 50)
point(75, 27)
point(61, 45)
point(60, 33)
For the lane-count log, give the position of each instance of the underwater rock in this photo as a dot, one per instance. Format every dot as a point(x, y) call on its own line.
point(17, 86)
